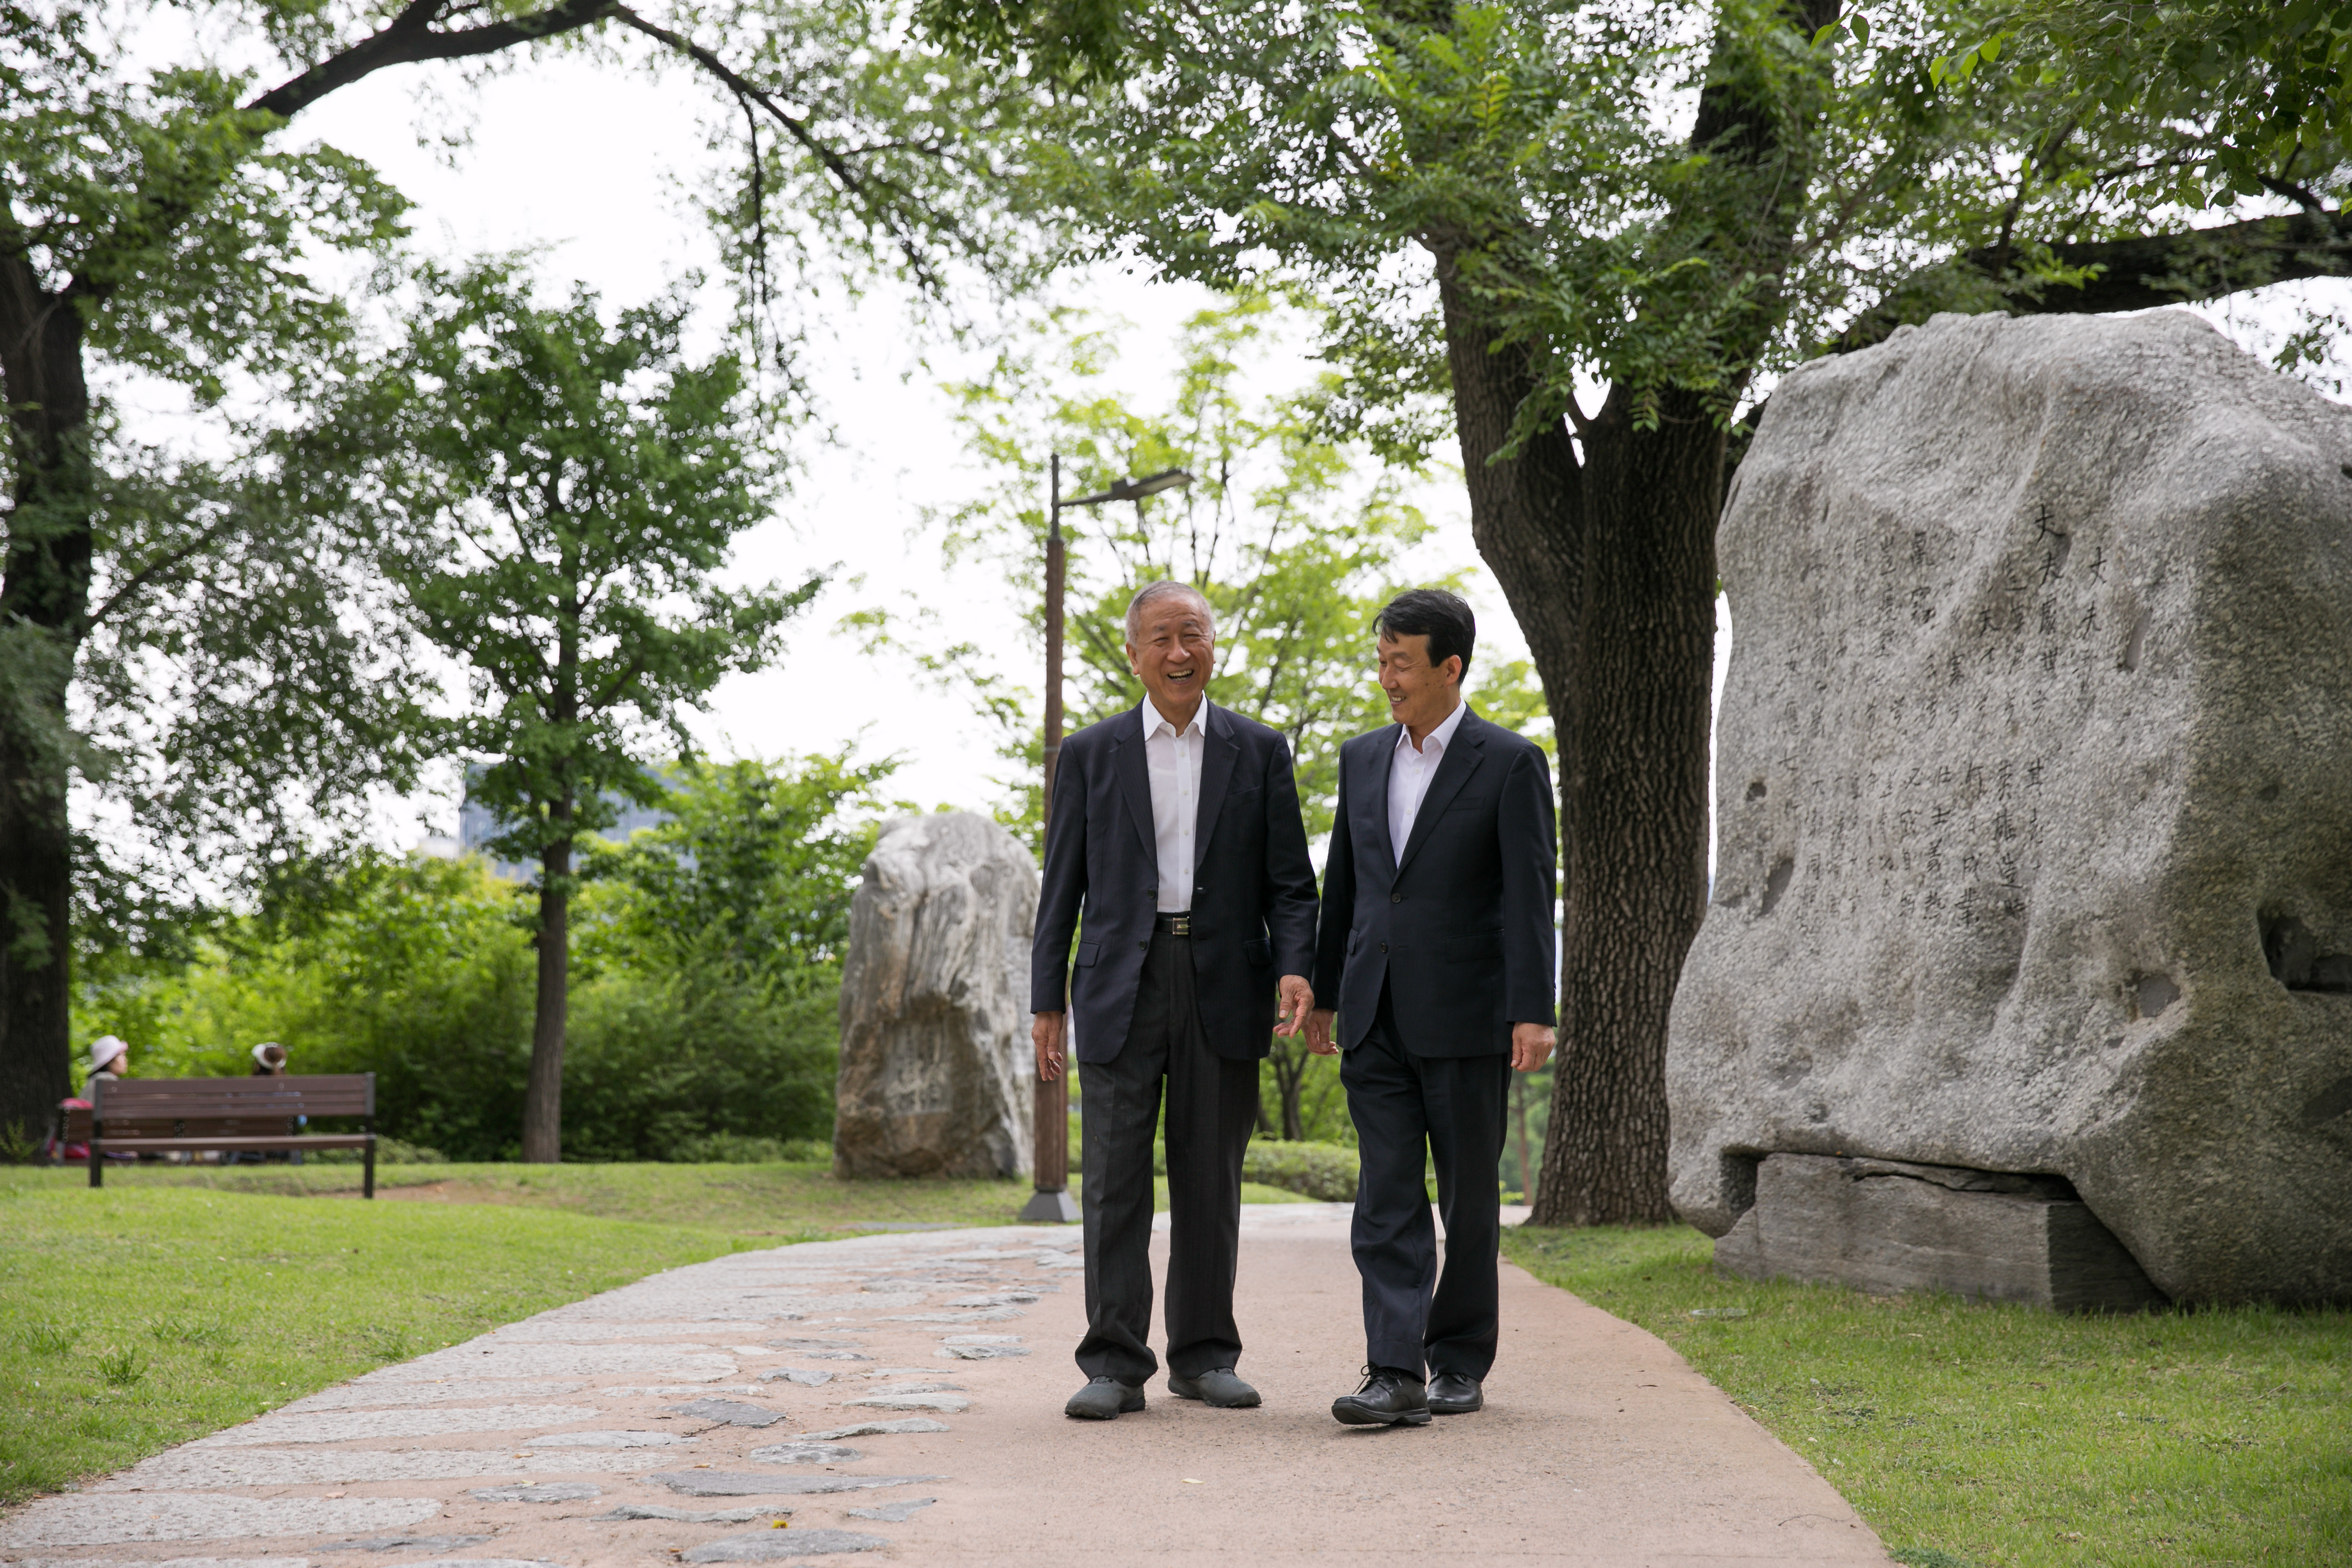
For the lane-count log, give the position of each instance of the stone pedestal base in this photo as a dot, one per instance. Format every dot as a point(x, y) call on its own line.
point(1050, 1208)
point(1885, 1227)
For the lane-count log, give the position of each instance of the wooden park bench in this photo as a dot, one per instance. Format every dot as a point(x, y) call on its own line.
point(191, 1115)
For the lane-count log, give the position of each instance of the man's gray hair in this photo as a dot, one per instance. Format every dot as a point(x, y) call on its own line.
point(1152, 594)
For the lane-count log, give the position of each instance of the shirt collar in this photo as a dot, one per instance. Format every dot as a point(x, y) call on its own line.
point(1153, 719)
point(1441, 737)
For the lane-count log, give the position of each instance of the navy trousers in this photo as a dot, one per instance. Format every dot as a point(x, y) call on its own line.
point(1410, 1111)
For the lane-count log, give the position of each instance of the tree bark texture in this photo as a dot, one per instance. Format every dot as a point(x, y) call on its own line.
point(44, 603)
point(1637, 839)
point(543, 1097)
point(1609, 565)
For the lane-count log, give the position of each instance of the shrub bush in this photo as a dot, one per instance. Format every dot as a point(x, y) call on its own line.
point(1326, 1172)
point(417, 971)
point(732, 1149)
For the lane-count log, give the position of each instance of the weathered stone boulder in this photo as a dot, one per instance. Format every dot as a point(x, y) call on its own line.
point(2034, 771)
point(935, 1055)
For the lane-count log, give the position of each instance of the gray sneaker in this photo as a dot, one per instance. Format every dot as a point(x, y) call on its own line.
point(1103, 1399)
point(1218, 1387)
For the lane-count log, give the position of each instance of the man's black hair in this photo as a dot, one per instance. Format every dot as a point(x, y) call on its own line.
point(1434, 614)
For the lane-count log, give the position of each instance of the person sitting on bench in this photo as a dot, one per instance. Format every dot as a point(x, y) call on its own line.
point(268, 1061)
point(109, 1056)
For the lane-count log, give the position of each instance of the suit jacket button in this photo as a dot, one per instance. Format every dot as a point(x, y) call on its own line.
point(1384, 947)
point(1145, 945)
point(1396, 897)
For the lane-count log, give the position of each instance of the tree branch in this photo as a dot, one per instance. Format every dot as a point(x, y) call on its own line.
point(2144, 271)
point(750, 92)
point(167, 561)
point(409, 39)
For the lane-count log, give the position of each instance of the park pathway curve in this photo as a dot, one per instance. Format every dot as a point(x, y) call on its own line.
point(898, 1396)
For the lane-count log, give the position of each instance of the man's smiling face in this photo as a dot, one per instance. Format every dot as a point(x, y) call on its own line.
point(1172, 649)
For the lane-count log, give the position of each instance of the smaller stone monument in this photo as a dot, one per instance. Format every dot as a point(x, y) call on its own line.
point(935, 1062)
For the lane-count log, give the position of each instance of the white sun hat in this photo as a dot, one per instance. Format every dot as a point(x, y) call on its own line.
point(105, 1049)
point(270, 1054)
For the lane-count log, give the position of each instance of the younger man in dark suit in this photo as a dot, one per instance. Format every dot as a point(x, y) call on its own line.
point(1174, 830)
point(1436, 947)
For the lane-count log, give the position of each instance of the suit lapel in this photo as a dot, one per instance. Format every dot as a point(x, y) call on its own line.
point(1135, 782)
point(1454, 770)
point(1218, 754)
point(1376, 796)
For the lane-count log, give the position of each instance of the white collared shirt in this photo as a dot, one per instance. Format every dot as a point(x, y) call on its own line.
point(1410, 774)
point(1173, 762)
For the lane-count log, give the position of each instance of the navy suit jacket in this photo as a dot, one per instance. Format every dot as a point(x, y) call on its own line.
point(1252, 884)
point(1460, 929)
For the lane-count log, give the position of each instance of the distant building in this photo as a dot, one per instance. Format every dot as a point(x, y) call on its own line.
point(476, 826)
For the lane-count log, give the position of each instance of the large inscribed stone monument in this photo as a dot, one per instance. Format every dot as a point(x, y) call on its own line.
point(2032, 929)
point(935, 1055)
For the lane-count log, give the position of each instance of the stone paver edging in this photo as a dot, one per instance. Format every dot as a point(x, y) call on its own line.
point(633, 1428)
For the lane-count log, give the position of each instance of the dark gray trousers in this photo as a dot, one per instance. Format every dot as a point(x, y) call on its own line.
point(1211, 1109)
point(1451, 1107)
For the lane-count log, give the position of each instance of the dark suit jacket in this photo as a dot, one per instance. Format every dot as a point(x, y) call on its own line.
point(1252, 884)
point(1461, 929)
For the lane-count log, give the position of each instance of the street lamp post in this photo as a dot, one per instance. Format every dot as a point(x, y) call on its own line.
point(1051, 1202)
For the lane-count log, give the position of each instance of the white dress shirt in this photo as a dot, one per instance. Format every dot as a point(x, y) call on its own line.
point(1410, 774)
point(1173, 760)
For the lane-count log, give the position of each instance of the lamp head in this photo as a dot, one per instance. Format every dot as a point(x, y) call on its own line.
point(1150, 485)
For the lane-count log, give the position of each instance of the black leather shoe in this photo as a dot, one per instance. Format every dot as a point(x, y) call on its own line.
point(1217, 1387)
point(1451, 1394)
point(1103, 1399)
point(1389, 1398)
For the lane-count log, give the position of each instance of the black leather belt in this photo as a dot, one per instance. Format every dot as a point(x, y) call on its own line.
point(1174, 925)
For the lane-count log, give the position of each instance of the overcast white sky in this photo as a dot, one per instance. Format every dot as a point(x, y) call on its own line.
point(595, 164)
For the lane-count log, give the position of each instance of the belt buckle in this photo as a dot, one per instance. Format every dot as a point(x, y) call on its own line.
point(1180, 925)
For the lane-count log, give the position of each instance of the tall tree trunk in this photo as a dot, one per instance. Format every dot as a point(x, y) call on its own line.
point(1526, 512)
point(44, 601)
point(1519, 1112)
point(542, 1099)
point(1610, 566)
point(1636, 828)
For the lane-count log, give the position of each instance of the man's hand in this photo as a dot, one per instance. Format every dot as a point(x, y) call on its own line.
point(1046, 1034)
point(1531, 1045)
point(1297, 1000)
point(1318, 1032)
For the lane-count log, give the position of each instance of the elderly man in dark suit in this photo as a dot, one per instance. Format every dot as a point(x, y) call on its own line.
point(1175, 834)
point(1436, 947)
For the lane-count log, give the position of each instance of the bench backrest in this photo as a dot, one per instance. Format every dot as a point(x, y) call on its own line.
point(260, 1100)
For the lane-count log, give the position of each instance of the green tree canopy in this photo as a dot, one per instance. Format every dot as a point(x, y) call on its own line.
point(158, 220)
point(750, 880)
point(1296, 540)
point(1594, 230)
point(565, 496)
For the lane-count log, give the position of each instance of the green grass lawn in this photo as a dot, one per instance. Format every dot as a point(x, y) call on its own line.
point(1970, 1434)
point(145, 1315)
point(757, 1201)
point(180, 1299)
